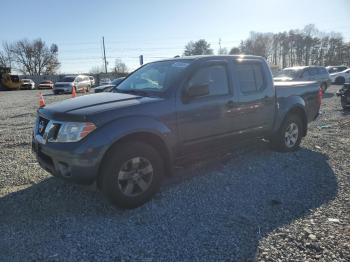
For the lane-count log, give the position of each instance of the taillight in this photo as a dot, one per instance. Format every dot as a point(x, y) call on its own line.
point(320, 95)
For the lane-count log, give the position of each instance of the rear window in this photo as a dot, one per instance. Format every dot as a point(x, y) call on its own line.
point(68, 79)
point(251, 78)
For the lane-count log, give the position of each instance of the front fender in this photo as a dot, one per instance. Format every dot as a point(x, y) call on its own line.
point(104, 136)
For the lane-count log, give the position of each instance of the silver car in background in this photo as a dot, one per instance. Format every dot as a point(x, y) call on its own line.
point(305, 73)
point(81, 83)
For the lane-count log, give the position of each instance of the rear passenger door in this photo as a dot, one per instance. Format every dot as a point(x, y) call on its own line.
point(256, 109)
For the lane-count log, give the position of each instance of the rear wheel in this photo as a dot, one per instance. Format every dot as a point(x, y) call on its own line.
point(289, 136)
point(131, 174)
point(340, 80)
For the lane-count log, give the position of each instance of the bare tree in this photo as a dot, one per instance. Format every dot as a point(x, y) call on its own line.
point(97, 70)
point(33, 57)
point(120, 67)
point(222, 51)
point(200, 47)
point(235, 51)
point(5, 55)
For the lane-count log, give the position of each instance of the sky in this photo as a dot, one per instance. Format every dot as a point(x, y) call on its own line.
point(157, 29)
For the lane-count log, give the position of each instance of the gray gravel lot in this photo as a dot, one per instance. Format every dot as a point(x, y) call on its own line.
point(245, 204)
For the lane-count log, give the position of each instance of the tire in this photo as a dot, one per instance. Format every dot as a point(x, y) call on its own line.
point(288, 138)
point(324, 87)
point(340, 80)
point(121, 179)
point(344, 103)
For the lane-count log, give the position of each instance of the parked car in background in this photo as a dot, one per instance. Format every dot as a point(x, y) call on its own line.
point(105, 81)
point(335, 69)
point(46, 84)
point(306, 73)
point(27, 84)
point(128, 140)
point(81, 83)
point(341, 77)
point(92, 80)
point(108, 88)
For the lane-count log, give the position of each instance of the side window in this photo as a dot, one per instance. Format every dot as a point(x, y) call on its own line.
point(313, 71)
point(251, 78)
point(214, 76)
point(78, 79)
point(306, 73)
point(323, 71)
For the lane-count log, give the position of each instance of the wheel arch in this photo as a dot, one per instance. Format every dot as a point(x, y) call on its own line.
point(149, 138)
point(300, 112)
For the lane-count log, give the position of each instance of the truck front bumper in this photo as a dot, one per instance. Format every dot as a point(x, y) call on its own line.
point(65, 161)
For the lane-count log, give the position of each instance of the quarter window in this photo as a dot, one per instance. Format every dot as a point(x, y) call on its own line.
point(214, 76)
point(251, 79)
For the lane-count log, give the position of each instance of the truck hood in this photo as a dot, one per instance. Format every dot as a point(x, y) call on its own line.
point(79, 108)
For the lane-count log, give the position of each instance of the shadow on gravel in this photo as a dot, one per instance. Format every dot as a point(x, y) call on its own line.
point(215, 209)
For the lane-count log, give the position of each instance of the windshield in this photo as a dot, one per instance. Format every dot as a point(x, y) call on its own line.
point(292, 73)
point(333, 70)
point(154, 77)
point(117, 81)
point(68, 79)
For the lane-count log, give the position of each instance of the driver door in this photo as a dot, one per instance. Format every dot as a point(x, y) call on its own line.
point(204, 118)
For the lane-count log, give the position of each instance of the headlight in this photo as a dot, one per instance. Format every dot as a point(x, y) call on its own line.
point(74, 131)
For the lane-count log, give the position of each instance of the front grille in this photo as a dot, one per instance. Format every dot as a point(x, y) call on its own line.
point(42, 124)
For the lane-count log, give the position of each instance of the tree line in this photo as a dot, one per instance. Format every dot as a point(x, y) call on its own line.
point(307, 46)
point(30, 57)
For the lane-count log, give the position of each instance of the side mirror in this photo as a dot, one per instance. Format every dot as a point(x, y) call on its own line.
point(197, 90)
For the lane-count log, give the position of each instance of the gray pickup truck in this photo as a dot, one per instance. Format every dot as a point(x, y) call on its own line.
point(128, 139)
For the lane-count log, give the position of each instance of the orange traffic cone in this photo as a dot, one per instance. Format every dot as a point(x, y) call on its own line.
point(41, 100)
point(74, 93)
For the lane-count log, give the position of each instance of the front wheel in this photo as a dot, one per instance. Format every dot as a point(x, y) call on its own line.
point(131, 174)
point(288, 138)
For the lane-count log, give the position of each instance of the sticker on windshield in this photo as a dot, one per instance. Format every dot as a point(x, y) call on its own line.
point(180, 64)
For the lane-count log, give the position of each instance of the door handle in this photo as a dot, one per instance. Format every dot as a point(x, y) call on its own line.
point(230, 104)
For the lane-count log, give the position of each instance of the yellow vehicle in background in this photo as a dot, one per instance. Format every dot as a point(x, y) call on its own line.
point(8, 81)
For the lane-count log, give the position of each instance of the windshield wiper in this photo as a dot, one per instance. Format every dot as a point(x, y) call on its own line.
point(133, 91)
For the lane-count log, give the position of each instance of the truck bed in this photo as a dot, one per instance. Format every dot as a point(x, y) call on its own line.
point(307, 91)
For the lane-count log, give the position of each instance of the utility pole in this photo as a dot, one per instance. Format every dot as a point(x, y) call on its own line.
point(219, 46)
point(104, 53)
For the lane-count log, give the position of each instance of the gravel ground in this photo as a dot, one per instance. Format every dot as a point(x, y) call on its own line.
point(245, 204)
